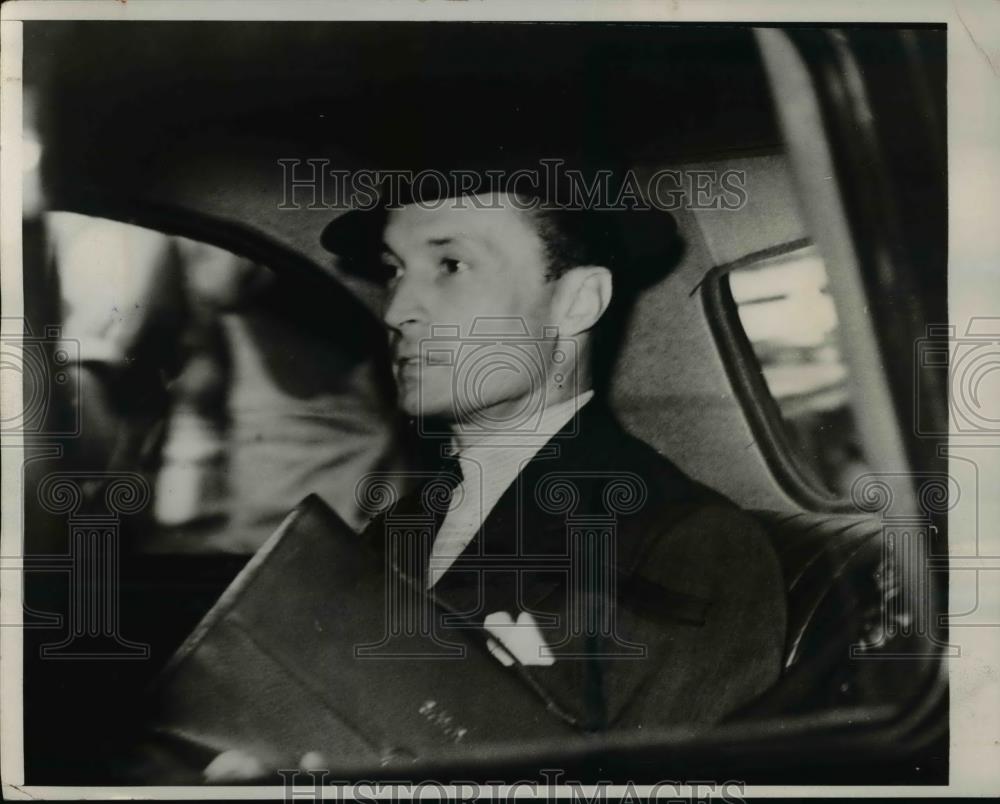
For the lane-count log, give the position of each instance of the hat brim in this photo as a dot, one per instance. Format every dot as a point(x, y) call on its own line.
point(648, 244)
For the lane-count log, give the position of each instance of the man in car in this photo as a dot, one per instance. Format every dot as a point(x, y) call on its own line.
point(611, 592)
point(668, 607)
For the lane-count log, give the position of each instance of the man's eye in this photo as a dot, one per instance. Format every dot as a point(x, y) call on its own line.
point(450, 266)
point(392, 272)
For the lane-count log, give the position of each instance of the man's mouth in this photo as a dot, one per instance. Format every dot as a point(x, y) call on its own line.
point(423, 359)
point(409, 366)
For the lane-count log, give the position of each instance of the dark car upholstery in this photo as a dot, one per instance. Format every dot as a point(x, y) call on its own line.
point(820, 555)
point(849, 617)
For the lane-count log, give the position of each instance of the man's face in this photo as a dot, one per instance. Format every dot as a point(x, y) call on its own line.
point(477, 276)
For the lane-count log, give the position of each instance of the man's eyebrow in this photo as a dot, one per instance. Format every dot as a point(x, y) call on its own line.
point(473, 240)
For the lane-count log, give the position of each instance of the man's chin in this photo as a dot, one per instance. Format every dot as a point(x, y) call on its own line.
point(412, 405)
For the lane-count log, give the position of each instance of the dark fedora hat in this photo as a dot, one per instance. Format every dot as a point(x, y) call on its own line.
point(601, 209)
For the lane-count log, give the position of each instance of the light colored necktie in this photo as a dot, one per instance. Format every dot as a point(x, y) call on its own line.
point(450, 542)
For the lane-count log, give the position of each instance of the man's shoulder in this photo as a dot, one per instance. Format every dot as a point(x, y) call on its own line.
point(664, 484)
point(685, 523)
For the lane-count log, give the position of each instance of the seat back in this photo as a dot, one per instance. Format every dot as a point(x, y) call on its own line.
point(824, 555)
point(850, 619)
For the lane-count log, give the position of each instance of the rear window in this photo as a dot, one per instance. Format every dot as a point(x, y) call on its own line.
point(782, 305)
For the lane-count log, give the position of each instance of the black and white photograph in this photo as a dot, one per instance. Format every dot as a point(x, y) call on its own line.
point(471, 400)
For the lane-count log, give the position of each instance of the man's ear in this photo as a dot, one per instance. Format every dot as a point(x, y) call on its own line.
point(581, 297)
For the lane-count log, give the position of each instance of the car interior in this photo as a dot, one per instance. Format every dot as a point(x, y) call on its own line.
point(782, 338)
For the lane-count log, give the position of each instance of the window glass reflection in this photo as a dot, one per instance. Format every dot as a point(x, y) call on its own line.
point(789, 317)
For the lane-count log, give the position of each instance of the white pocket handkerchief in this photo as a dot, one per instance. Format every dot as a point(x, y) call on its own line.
point(521, 640)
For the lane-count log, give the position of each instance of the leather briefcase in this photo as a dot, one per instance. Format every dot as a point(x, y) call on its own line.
point(317, 647)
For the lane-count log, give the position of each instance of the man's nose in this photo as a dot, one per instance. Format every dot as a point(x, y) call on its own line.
point(405, 304)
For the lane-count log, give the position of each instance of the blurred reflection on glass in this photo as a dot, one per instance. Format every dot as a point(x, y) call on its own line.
point(790, 320)
point(199, 373)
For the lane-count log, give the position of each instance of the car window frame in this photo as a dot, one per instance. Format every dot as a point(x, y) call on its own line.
point(783, 458)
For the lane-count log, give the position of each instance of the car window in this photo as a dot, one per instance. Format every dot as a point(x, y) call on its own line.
point(788, 316)
point(203, 375)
